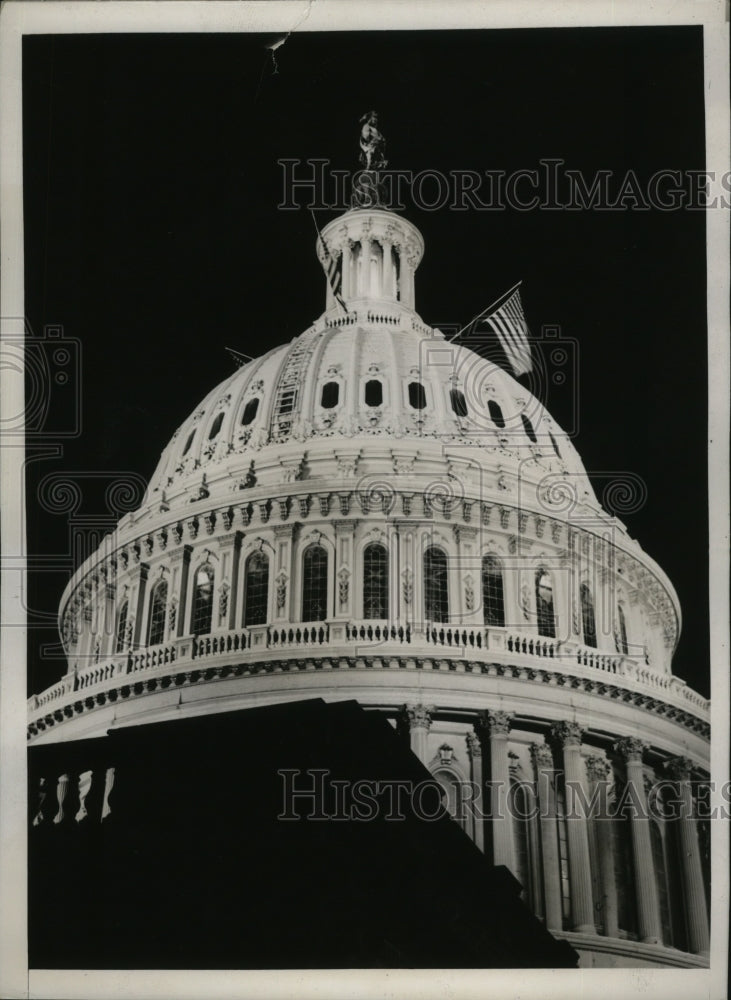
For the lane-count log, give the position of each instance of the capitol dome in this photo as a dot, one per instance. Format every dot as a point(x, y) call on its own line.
point(375, 512)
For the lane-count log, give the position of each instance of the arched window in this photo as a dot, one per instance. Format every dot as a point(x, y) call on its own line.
point(563, 851)
point(256, 589)
point(496, 413)
point(215, 427)
point(622, 857)
point(436, 589)
point(554, 442)
point(622, 624)
point(330, 395)
point(158, 608)
point(202, 615)
point(661, 878)
point(588, 621)
point(417, 396)
point(544, 604)
point(122, 628)
point(250, 411)
point(493, 600)
point(375, 581)
point(373, 392)
point(314, 584)
point(528, 427)
point(188, 443)
point(396, 261)
point(459, 403)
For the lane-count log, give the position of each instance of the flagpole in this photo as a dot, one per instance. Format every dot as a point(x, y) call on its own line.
point(486, 309)
point(324, 246)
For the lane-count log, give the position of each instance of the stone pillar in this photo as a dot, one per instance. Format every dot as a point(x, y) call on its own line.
point(411, 583)
point(494, 727)
point(468, 577)
point(568, 736)
point(283, 572)
point(696, 913)
point(180, 570)
point(364, 275)
point(648, 909)
point(138, 578)
point(474, 751)
point(230, 555)
point(345, 270)
point(110, 618)
point(419, 719)
point(543, 764)
point(597, 769)
point(348, 580)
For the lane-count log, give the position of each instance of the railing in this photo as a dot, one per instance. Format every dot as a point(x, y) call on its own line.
point(480, 642)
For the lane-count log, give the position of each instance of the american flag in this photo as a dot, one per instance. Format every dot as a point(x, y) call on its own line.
point(331, 268)
point(508, 324)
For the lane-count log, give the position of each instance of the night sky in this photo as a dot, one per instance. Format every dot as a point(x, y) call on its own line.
point(153, 237)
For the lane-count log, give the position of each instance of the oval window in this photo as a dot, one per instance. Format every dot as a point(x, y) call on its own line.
point(215, 427)
point(528, 428)
point(330, 395)
point(417, 396)
point(250, 411)
point(459, 403)
point(496, 414)
point(373, 393)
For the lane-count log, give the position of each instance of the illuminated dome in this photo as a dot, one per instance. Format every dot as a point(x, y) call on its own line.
point(374, 512)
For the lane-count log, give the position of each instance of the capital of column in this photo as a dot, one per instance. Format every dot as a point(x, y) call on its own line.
point(285, 530)
point(678, 768)
point(345, 526)
point(139, 572)
point(567, 734)
point(630, 749)
point(541, 756)
point(231, 539)
point(495, 723)
point(419, 716)
point(597, 768)
point(179, 555)
point(463, 534)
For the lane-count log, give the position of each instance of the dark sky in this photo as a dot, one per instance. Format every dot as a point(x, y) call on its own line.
point(153, 237)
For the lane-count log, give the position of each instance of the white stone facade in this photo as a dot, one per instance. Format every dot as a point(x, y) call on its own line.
point(372, 512)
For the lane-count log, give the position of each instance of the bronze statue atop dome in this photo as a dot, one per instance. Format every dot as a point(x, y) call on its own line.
point(367, 189)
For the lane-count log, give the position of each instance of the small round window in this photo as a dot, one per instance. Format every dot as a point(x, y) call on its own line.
point(330, 395)
point(417, 396)
point(215, 427)
point(373, 392)
point(250, 411)
point(496, 414)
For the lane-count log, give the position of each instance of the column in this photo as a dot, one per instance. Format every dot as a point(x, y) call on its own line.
point(568, 736)
point(474, 751)
point(110, 618)
point(230, 555)
point(543, 764)
point(597, 769)
point(494, 727)
point(696, 913)
point(419, 718)
point(138, 579)
point(345, 282)
point(282, 572)
point(348, 581)
point(180, 569)
point(468, 578)
point(365, 267)
point(648, 909)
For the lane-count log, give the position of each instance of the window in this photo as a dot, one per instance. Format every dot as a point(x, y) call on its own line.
point(215, 427)
point(436, 592)
point(158, 607)
point(493, 601)
point(459, 403)
point(544, 604)
point(563, 852)
point(375, 581)
point(588, 621)
point(188, 443)
point(330, 395)
point(314, 584)
point(554, 442)
point(250, 411)
point(256, 589)
point(202, 616)
point(521, 837)
point(373, 392)
point(621, 835)
point(528, 427)
point(417, 396)
point(496, 414)
point(121, 628)
point(622, 637)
